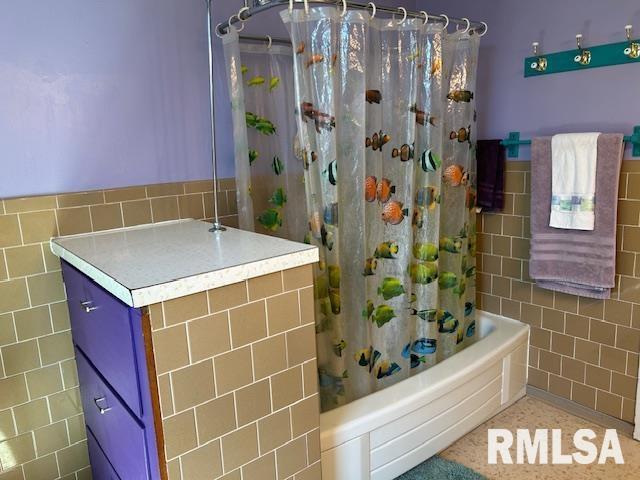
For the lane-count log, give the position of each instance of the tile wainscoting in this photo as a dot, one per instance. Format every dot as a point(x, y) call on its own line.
point(581, 349)
point(42, 431)
point(237, 377)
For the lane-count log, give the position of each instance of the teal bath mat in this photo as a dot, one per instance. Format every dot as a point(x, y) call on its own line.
point(437, 468)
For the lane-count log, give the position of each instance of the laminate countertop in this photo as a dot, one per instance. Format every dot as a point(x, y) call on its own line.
point(153, 263)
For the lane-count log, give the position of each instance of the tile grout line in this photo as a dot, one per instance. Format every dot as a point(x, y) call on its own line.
point(20, 230)
point(173, 400)
point(240, 347)
point(186, 332)
point(6, 264)
point(233, 392)
point(53, 332)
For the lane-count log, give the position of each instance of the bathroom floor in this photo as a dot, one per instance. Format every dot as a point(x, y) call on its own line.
point(531, 413)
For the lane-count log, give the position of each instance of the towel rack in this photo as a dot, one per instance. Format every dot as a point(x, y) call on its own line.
point(514, 141)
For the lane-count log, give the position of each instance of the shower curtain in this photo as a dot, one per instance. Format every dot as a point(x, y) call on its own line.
point(269, 179)
point(386, 123)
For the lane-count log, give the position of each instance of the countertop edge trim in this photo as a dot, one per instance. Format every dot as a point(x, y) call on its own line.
point(145, 296)
point(108, 283)
point(142, 297)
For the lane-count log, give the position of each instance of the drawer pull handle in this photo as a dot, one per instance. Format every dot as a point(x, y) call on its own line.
point(88, 306)
point(101, 409)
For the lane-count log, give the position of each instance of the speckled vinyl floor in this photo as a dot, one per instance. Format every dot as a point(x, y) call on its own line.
point(531, 413)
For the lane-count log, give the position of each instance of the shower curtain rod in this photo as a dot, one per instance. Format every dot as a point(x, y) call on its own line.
point(249, 12)
point(257, 38)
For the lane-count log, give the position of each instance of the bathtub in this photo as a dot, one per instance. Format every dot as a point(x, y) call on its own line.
point(383, 435)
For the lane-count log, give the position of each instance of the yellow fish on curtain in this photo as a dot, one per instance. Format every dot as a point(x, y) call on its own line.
point(269, 183)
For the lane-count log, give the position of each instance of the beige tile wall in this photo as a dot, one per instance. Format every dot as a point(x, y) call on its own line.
point(237, 380)
point(41, 424)
point(582, 349)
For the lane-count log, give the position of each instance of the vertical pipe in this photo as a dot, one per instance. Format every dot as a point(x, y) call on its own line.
point(217, 227)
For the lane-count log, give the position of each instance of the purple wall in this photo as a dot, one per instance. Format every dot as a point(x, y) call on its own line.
point(601, 99)
point(109, 94)
point(102, 94)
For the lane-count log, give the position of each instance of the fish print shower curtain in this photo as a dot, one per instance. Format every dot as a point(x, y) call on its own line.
point(386, 123)
point(269, 178)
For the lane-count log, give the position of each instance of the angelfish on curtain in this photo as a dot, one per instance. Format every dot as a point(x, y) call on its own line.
point(269, 179)
point(386, 124)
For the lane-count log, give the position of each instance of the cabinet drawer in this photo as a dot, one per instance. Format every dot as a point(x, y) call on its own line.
point(101, 326)
point(119, 433)
point(100, 466)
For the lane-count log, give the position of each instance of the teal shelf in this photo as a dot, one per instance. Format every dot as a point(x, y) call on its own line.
point(601, 56)
point(513, 142)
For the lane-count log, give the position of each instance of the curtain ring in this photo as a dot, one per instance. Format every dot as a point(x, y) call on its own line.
point(240, 12)
point(373, 13)
point(447, 19)
point(229, 22)
point(426, 17)
point(217, 31)
point(344, 8)
point(306, 6)
point(270, 42)
point(404, 15)
point(467, 27)
point(486, 28)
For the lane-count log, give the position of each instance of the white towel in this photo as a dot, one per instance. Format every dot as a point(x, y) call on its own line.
point(574, 157)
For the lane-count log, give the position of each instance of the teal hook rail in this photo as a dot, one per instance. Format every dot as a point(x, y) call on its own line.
point(514, 141)
point(583, 58)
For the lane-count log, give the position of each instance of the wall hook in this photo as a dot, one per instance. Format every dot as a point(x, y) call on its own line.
point(540, 63)
point(633, 49)
point(584, 57)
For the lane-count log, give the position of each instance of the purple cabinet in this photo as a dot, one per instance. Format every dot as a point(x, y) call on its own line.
point(117, 432)
point(114, 381)
point(101, 327)
point(100, 466)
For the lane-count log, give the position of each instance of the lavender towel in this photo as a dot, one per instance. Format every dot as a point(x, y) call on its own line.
point(573, 261)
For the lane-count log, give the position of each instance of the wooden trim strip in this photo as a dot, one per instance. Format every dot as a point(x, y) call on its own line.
point(153, 390)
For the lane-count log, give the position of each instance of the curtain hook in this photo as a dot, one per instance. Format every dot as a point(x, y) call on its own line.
point(290, 7)
point(217, 31)
point(467, 27)
point(373, 7)
point(447, 19)
point(404, 15)
point(344, 8)
point(241, 11)
point(270, 42)
point(426, 17)
point(486, 29)
point(229, 22)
